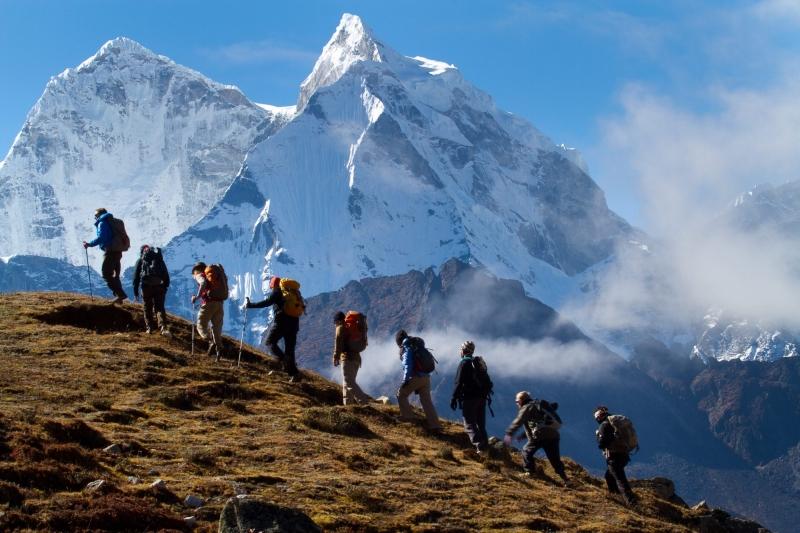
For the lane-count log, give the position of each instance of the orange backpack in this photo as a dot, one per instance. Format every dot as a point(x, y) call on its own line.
point(217, 283)
point(355, 331)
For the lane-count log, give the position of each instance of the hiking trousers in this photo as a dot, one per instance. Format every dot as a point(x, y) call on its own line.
point(153, 297)
point(212, 312)
point(286, 329)
point(616, 480)
point(551, 447)
point(474, 412)
point(111, 270)
point(351, 392)
point(422, 386)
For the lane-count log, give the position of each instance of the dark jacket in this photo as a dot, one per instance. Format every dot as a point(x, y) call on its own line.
point(530, 417)
point(607, 440)
point(275, 299)
point(152, 255)
point(105, 234)
point(466, 381)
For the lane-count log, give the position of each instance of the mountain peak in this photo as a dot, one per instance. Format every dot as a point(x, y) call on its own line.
point(352, 41)
point(121, 47)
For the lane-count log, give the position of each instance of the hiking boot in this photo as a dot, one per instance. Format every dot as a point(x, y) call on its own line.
point(211, 349)
point(148, 331)
point(118, 300)
point(525, 474)
point(295, 379)
point(166, 333)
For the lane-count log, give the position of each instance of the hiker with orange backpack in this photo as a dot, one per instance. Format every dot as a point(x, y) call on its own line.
point(212, 292)
point(113, 240)
point(350, 340)
point(287, 307)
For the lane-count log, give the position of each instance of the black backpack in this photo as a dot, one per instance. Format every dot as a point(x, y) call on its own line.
point(153, 269)
point(424, 361)
point(550, 417)
point(480, 375)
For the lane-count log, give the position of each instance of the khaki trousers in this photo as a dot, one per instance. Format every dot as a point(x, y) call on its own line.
point(212, 312)
point(422, 386)
point(351, 392)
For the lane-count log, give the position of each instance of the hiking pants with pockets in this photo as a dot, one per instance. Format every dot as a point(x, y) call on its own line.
point(111, 269)
point(286, 329)
point(616, 480)
point(474, 413)
point(551, 447)
point(422, 386)
point(153, 297)
point(351, 392)
point(212, 312)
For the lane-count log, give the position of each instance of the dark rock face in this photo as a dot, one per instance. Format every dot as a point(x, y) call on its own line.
point(242, 515)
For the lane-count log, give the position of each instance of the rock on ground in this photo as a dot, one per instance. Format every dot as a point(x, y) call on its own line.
point(242, 515)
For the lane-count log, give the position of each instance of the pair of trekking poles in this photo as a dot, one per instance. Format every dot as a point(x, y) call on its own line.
point(196, 313)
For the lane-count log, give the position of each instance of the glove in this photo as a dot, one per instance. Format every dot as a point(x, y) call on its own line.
point(335, 362)
point(194, 297)
point(507, 440)
point(247, 302)
point(85, 245)
point(453, 404)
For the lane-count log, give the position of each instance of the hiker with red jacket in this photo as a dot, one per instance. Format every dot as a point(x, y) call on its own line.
point(415, 380)
point(212, 310)
point(285, 324)
point(151, 272)
point(616, 443)
point(473, 388)
point(349, 341)
point(112, 259)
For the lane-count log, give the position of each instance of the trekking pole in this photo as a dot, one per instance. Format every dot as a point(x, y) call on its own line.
point(241, 339)
point(194, 321)
point(89, 273)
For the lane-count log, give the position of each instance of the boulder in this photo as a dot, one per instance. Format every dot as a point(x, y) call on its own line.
point(114, 449)
point(243, 514)
point(193, 501)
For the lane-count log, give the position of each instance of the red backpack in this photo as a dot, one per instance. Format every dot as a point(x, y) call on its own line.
point(355, 331)
point(217, 283)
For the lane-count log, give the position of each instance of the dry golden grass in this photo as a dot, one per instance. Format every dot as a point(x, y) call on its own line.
point(77, 375)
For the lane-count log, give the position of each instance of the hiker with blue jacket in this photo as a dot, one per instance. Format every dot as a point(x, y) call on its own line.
point(415, 380)
point(112, 260)
point(472, 389)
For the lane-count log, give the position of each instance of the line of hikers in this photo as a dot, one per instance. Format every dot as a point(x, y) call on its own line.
point(473, 388)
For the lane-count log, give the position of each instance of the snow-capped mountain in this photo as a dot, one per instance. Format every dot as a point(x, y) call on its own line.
point(395, 163)
point(34, 273)
point(155, 143)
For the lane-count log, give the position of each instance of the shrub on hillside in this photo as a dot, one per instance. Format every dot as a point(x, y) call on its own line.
point(336, 420)
point(76, 431)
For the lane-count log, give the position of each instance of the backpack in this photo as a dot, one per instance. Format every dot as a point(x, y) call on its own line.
point(293, 303)
point(625, 439)
point(424, 361)
point(355, 331)
point(481, 378)
point(550, 418)
point(218, 283)
point(153, 270)
point(120, 242)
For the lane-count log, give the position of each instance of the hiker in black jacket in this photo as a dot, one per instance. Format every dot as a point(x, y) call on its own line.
point(283, 327)
point(541, 423)
point(617, 456)
point(151, 272)
point(472, 389)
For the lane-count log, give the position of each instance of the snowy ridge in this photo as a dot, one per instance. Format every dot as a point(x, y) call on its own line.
point(155, 143)
point(395, 163)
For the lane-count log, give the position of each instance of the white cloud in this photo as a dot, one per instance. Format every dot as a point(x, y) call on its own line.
point(253, 52)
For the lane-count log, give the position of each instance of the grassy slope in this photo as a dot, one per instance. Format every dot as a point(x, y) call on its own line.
point(211, 429)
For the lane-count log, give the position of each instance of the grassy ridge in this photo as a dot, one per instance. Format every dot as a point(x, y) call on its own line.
point(77, 376)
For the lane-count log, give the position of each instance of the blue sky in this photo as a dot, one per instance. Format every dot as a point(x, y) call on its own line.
point(597, 75)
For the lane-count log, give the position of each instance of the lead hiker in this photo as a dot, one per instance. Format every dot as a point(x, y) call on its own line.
point(349, 341)
point(473, 388)
point(617, 438)
point(212, 291)
point(287, 307)
point(152, 273)
point(418, 363)
point(541, 423)
point(113, 240)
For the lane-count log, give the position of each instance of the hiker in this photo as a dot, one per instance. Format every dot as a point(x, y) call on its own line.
point(617, 438)
point(349, 341)
point(473, 388)
point(287, 306)
point(112, 246)
point(416, 379)
point(211, 311)
point(541, 424)
point(152, 273)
